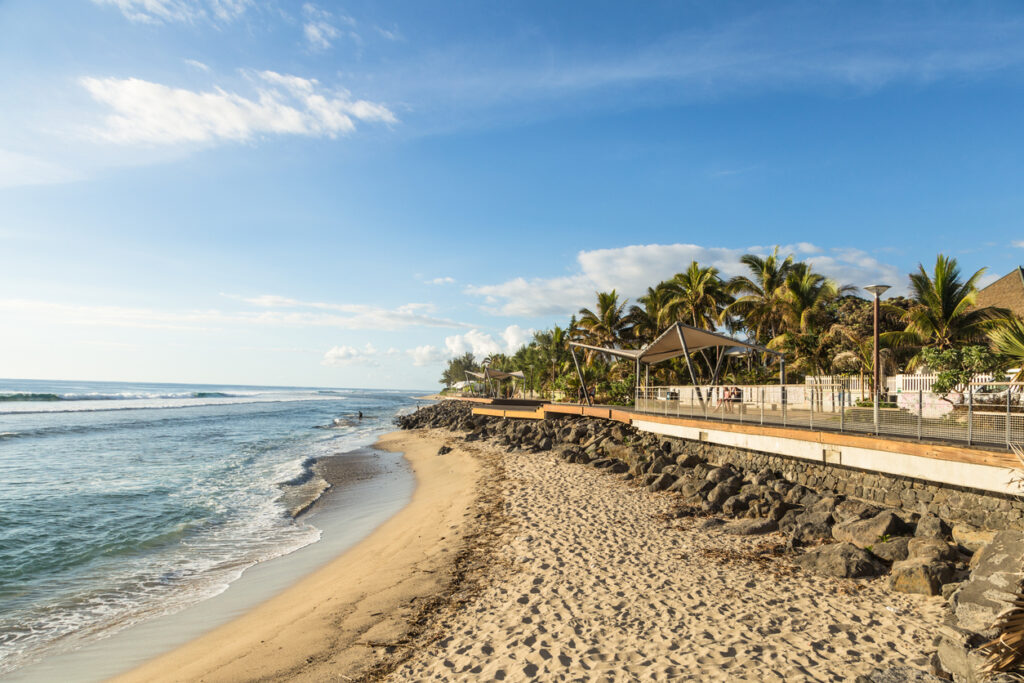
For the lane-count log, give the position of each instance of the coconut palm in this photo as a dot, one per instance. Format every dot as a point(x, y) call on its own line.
point(1008, 340)
point(652, 315)
point(608, 326)
point(698, 296)
point(944, 315)
point(756, 294)
point(804, 318)
point(860, 354)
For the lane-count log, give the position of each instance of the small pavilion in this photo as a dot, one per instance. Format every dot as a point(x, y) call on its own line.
point(679, 340)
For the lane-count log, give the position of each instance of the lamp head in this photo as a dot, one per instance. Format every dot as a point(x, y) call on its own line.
point(878, 290)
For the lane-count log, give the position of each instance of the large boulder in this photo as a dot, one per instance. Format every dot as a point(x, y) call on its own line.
point(930, 526)
point(893, 550)
point(659, 463)
point(688, 460)
point(720, 474)
point(811, 527)
point(865, 532)
point(931, 550)
point(920, 575)
point(662, 482)
point(722, 492)
point(750, 527)
point(841, 560)
point(996, 577)
point(970, 538)
point(852, 510)
point(734, 506)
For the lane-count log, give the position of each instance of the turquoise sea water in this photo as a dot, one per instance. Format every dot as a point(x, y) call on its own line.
point(120, 502)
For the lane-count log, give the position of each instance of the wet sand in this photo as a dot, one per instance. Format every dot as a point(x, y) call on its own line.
point(325, 626)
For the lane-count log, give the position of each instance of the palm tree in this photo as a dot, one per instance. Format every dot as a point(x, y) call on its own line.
point(608, 326)
point(756, 294)
point(944, 315)
point(860, 354)
point(1008, 340)
point(698, 296)
point(804, 317)
point(653, 315)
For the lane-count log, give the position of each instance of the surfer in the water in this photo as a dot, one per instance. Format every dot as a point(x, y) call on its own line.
point(360, 415)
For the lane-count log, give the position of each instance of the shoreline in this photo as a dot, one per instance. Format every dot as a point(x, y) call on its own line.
point(333, 621)
point(366, 488)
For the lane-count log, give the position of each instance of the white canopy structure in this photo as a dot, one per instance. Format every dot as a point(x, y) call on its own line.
point(492, 374)
point(680, 340)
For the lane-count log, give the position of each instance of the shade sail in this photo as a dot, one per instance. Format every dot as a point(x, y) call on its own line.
point(490, 373)
point(679, 340)
point(623, 353)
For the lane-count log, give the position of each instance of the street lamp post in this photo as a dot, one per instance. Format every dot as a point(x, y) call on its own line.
point(878, 291)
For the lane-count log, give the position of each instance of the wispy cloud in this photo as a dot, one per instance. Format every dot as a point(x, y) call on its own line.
point(147, 112)
point(174, 11)
point(1019, 244)
point(442, 281)
point(196, 64)
point(360, 316)
point(276, 312)
point(630, 270)
point(321, 28)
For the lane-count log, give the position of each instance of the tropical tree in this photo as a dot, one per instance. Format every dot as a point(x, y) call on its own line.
point(1008, 341)
point(607, 325)
point(804, 317)
point(756, 301)
point(457, 368)
point(945, 315)
point(699, 296)
point(653, 314)
point(859, 353)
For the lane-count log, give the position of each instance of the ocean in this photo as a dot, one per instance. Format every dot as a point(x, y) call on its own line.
point(121, 502)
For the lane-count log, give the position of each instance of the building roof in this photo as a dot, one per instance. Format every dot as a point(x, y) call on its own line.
point(1006, 292)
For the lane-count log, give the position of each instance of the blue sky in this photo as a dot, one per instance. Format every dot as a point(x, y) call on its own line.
point(345, 194)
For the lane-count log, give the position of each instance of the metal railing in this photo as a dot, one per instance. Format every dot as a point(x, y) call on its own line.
point(986, 413)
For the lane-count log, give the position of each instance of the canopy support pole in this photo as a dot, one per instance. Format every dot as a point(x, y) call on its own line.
point(586, 394)
point(689, 365)
point(718, 365)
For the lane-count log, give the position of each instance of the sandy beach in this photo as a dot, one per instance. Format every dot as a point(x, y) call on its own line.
point(326, 626)
point(517, 566)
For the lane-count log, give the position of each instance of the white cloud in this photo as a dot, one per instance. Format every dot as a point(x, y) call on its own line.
point(427, 355)
point(350, 355)
point(340, 316)
point(358, 316)
point(1019, 244)
point(630, 270)
point(442, 281)
point(479, 343)
point(388, 34)
point(482, 344)
point(195, 63)
point(516, 337)
point(147, 112)
point(319, 27)
point(188, 11)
